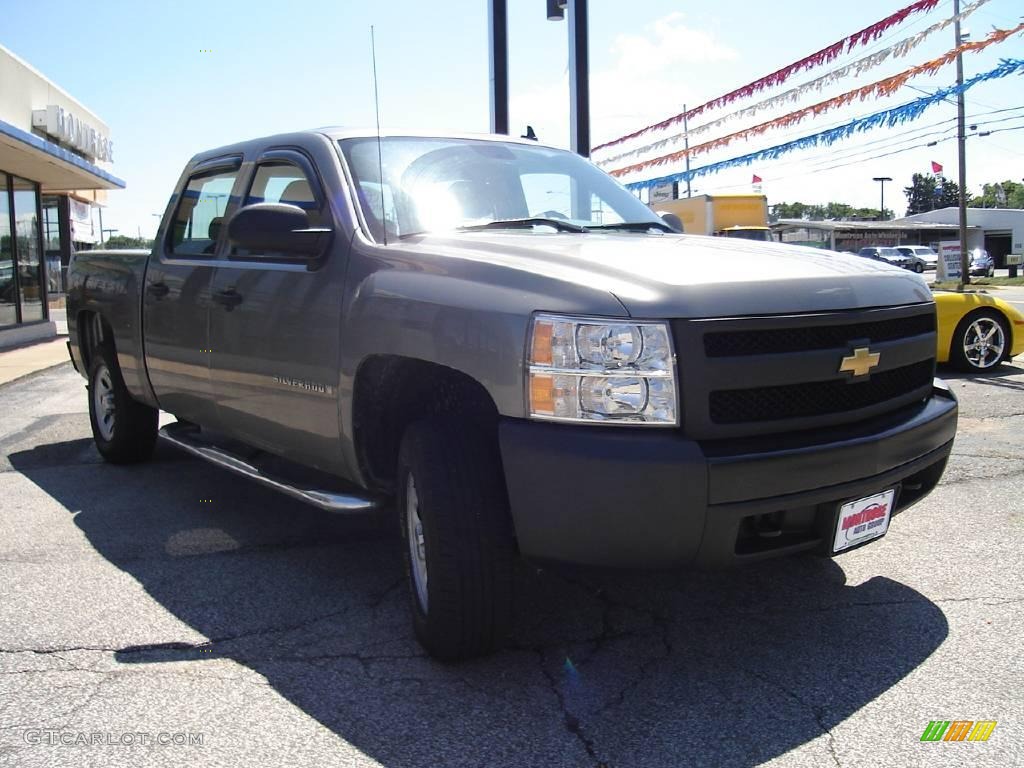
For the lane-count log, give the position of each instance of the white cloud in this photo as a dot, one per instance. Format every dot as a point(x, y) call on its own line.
point(652, 75)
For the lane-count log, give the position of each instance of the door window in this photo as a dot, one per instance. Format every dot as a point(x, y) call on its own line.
point(282, 182)
point(200, 215)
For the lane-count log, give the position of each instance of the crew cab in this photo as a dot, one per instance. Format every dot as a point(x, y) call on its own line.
point(497, 344)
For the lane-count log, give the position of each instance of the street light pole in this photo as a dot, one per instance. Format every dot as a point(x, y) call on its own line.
point(881, 180)
point(961, 150)
point(497, 23)
point(579, 77)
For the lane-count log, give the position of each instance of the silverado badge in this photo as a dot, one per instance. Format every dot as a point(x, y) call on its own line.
point(860, 362)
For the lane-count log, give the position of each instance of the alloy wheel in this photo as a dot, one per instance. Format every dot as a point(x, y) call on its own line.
point(984, 343)
point(417, 542)
point(103, 402)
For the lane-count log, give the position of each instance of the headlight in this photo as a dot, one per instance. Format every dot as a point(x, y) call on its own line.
point(601, 371)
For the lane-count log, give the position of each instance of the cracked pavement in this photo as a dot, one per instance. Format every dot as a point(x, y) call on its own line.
point(281, 633)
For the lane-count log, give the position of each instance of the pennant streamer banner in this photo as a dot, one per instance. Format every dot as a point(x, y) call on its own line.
point(879, 89)
point(886, 118)
point(824, 56)
point(898, 50)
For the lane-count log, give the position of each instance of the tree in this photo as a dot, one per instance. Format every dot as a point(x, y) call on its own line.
point(830, 211)
point(1004, 194)
point(123, 241)
point(927, 193)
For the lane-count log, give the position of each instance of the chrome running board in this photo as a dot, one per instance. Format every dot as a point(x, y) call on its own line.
point(186, 437)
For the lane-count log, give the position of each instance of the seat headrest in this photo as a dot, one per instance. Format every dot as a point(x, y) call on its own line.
point(298, 193)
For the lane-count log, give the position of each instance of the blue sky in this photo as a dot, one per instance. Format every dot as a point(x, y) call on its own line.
point(142, 67)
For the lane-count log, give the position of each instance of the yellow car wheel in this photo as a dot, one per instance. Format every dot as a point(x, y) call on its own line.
point(981, 341)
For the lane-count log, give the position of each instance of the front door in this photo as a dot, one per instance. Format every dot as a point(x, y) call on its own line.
point(176, 294)
point(274, 331)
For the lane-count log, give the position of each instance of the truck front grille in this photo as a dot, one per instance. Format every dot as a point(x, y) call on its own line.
point(793, 401)
point(782, 340)
point(748, 376)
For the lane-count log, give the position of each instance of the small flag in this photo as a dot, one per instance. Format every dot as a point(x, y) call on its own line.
point(936, 168)
point(757, 179)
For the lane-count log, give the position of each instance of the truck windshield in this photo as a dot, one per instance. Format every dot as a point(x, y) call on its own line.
point(442, 184)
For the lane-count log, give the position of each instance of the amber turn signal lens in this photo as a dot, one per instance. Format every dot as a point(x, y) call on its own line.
point(542, 394)
point(540, 353)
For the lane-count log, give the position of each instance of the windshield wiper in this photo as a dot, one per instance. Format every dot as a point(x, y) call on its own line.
point(635, 226)
point(559, 224)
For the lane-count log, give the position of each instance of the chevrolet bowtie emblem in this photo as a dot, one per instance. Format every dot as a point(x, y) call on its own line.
point(860, 362)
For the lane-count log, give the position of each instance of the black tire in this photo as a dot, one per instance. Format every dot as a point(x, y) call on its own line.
point(126, 433)
point(918, 267)
point(966, 333)
point(465, 528)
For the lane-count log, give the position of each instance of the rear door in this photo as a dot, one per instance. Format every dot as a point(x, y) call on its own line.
point(176, 294)
point(274, 328)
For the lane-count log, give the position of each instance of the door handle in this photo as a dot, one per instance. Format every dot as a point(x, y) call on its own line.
point(159, 290)
point(229, 298)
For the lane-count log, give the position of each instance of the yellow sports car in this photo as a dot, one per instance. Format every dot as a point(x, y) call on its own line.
point(976, 331)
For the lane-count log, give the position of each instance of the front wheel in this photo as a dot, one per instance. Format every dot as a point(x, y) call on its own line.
point(980, 342)
point(919, 267)
point(124, 429)
point(457, 532)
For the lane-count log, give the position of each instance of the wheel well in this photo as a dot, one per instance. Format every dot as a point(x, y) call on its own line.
point(93, 332)
point(995, 311)
point(392, 392)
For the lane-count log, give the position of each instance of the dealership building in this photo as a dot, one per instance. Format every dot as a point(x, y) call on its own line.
point(55, 159)
point(1000, 231)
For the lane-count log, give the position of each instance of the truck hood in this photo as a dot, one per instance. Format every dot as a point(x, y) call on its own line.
point(689, 276)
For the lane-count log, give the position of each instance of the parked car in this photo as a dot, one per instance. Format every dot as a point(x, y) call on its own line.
point(888, 255)
point(432, 327)
point(977, 332)
point(921, 257)
point(982, 264)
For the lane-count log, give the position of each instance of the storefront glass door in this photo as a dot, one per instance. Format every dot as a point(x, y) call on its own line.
point(8, 285)
point(26, 225)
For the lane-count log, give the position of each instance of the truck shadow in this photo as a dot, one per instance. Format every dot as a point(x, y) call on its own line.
point(999, 377)
point(652, 669)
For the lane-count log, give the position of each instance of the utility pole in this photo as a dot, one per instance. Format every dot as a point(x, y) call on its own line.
point(961, 140)
point(686, 146)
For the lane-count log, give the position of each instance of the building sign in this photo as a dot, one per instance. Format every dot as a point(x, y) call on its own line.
point(661, 193)
point(852, 240)
point(82, 230)
point(949, 260)
point(57, 122)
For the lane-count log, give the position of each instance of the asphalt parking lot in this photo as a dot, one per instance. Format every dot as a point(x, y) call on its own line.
point(174, 602)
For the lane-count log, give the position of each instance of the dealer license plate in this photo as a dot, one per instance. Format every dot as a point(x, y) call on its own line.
point(863, 520)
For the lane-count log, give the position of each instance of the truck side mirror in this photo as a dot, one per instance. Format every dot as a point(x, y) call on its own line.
point(276, 228)
point(672, 220)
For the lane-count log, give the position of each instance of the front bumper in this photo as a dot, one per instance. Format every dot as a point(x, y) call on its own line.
point(635, 497)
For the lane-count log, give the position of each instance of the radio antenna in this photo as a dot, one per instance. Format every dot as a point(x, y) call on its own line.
point(380, 157)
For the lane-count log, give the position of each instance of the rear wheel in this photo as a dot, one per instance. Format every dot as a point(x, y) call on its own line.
point(459, 544)
point(980, 342)
point(124, 429)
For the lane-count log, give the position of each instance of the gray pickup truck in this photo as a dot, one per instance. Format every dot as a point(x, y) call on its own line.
point(496, 342)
